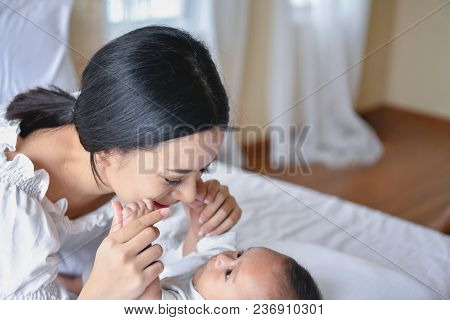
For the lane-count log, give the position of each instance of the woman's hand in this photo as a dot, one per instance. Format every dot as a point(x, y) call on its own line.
point(130, 213)
point(125, 264)
point(221, 212)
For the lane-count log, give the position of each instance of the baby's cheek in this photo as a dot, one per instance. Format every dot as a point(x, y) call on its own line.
point(196, 278)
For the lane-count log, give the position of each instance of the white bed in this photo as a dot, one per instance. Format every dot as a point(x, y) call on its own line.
point(352, 251)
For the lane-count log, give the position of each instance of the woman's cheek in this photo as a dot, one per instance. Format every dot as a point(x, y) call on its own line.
point(152, 189)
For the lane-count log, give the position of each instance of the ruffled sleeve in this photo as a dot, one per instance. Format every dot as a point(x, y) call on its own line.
point(29, 240)
point(36, 238)
point(29, 244)
point(9, 129)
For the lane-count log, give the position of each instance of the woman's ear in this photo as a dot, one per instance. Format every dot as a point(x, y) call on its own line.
point(104, 158)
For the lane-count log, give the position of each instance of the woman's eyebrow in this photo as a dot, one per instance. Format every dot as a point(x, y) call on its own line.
point(183, 171)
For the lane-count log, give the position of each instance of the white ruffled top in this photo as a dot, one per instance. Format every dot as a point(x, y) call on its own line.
point(37, 240)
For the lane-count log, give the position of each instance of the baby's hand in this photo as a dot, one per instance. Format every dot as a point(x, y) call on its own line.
point(131, 212)
point(193, 211)
point(215, 209)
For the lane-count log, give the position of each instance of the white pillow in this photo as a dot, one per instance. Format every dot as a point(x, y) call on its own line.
point(34, 46)
point(341, 276)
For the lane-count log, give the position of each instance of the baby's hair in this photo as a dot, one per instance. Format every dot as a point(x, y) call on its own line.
point(296, 283)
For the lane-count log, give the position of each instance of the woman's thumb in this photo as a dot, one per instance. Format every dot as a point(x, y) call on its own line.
point(117, 221)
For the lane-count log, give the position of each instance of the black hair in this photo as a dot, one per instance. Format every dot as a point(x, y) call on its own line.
point(296, 283)
point(135, 86)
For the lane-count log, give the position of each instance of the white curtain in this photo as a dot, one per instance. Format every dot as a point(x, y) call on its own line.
point(33, 51)
point(223, 25)
point(315, 47)
point(313, 71)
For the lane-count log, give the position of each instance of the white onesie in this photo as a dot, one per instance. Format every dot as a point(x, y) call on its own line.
point(176, 279)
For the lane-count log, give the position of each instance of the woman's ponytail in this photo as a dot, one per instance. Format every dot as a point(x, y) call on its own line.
point(41, 108)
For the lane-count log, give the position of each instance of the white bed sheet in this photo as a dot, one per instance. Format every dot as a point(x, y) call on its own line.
point(299, 222)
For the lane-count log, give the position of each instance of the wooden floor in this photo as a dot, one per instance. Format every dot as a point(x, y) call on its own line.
point(411, 180)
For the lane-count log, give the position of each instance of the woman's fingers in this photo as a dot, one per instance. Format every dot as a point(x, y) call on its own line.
point(142, 240)
point(135, 227)
point(148, 256)
point(153, 271)
point(228, 223)
point(117, 221)
point(221, 214)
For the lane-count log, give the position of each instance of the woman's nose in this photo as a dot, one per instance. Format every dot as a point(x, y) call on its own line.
point(187, 191)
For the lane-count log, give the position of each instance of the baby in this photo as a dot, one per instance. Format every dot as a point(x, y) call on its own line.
point(211, 268)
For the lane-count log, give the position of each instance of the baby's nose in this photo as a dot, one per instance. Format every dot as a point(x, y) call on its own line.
point(222, 259)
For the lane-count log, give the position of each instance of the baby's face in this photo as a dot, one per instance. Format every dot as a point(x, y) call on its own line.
point(238, 274)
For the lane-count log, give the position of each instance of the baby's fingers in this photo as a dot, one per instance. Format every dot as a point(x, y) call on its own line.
point(211, 208)
point(129, 213)
point(149, 204)
point(202, 189)
point(214, 187)
point(137, 209)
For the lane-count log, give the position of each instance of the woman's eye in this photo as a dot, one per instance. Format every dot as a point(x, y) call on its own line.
point(227, 274)
point(204, 170)
point(172, 182)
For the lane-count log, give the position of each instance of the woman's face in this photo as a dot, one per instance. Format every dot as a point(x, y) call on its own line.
point(168, 173)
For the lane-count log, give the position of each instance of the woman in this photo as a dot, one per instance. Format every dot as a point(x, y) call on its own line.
point(148, 121)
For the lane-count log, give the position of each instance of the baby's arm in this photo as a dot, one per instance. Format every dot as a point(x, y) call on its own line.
point(192, 237)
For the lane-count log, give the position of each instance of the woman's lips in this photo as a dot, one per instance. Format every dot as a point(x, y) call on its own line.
point(158, 205)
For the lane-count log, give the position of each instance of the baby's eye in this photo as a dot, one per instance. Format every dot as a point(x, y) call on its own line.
point(172, 182)
point(240, 253)
point(227, 274)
